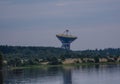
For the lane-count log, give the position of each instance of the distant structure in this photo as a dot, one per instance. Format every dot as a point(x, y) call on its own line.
point(66, 39)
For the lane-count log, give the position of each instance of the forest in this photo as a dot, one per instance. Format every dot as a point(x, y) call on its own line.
point(31, 55)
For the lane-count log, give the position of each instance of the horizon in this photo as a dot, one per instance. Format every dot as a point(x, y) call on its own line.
point(58, 47)
point(36, 23)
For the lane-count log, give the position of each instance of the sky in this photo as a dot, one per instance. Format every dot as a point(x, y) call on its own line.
point(96, 23)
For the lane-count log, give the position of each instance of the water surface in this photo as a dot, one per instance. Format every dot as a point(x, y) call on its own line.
point(92, 74)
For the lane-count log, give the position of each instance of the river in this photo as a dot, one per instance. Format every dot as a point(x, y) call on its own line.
point(92, 74)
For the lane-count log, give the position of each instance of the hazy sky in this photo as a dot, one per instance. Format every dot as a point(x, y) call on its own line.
point(36, 22)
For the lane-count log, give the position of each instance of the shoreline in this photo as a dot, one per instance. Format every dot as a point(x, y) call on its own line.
point(59, 65)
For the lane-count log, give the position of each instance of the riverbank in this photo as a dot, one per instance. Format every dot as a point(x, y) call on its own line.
point(60, 65)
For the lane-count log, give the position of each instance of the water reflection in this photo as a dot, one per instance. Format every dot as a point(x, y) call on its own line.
point(65, 75)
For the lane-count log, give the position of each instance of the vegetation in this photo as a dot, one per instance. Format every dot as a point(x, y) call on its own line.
point(1, 61)
point(23, 56)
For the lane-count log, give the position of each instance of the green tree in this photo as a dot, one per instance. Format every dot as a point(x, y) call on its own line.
point(1, 72)
point(54, 61)
point(11, 62)
point(96, 59)
point(1, 61)
point(1, 77)
point(62, 57)
point(31, 62)
point(18, 62)
point(15, 62)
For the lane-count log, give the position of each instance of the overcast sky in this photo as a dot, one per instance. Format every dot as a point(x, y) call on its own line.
point(96, 23)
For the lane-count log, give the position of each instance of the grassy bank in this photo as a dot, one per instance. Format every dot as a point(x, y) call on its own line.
point(61, 65)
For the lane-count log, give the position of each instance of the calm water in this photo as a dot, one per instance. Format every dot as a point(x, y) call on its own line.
point(95, 74)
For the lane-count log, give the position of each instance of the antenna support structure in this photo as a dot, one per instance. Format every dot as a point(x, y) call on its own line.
point(66, 39)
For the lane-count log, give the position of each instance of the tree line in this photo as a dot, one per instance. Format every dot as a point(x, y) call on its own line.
point(30, 55)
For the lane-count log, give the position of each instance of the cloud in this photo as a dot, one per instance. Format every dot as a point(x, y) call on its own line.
point(27, 21)
point(72, 11)
point(51, 9)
